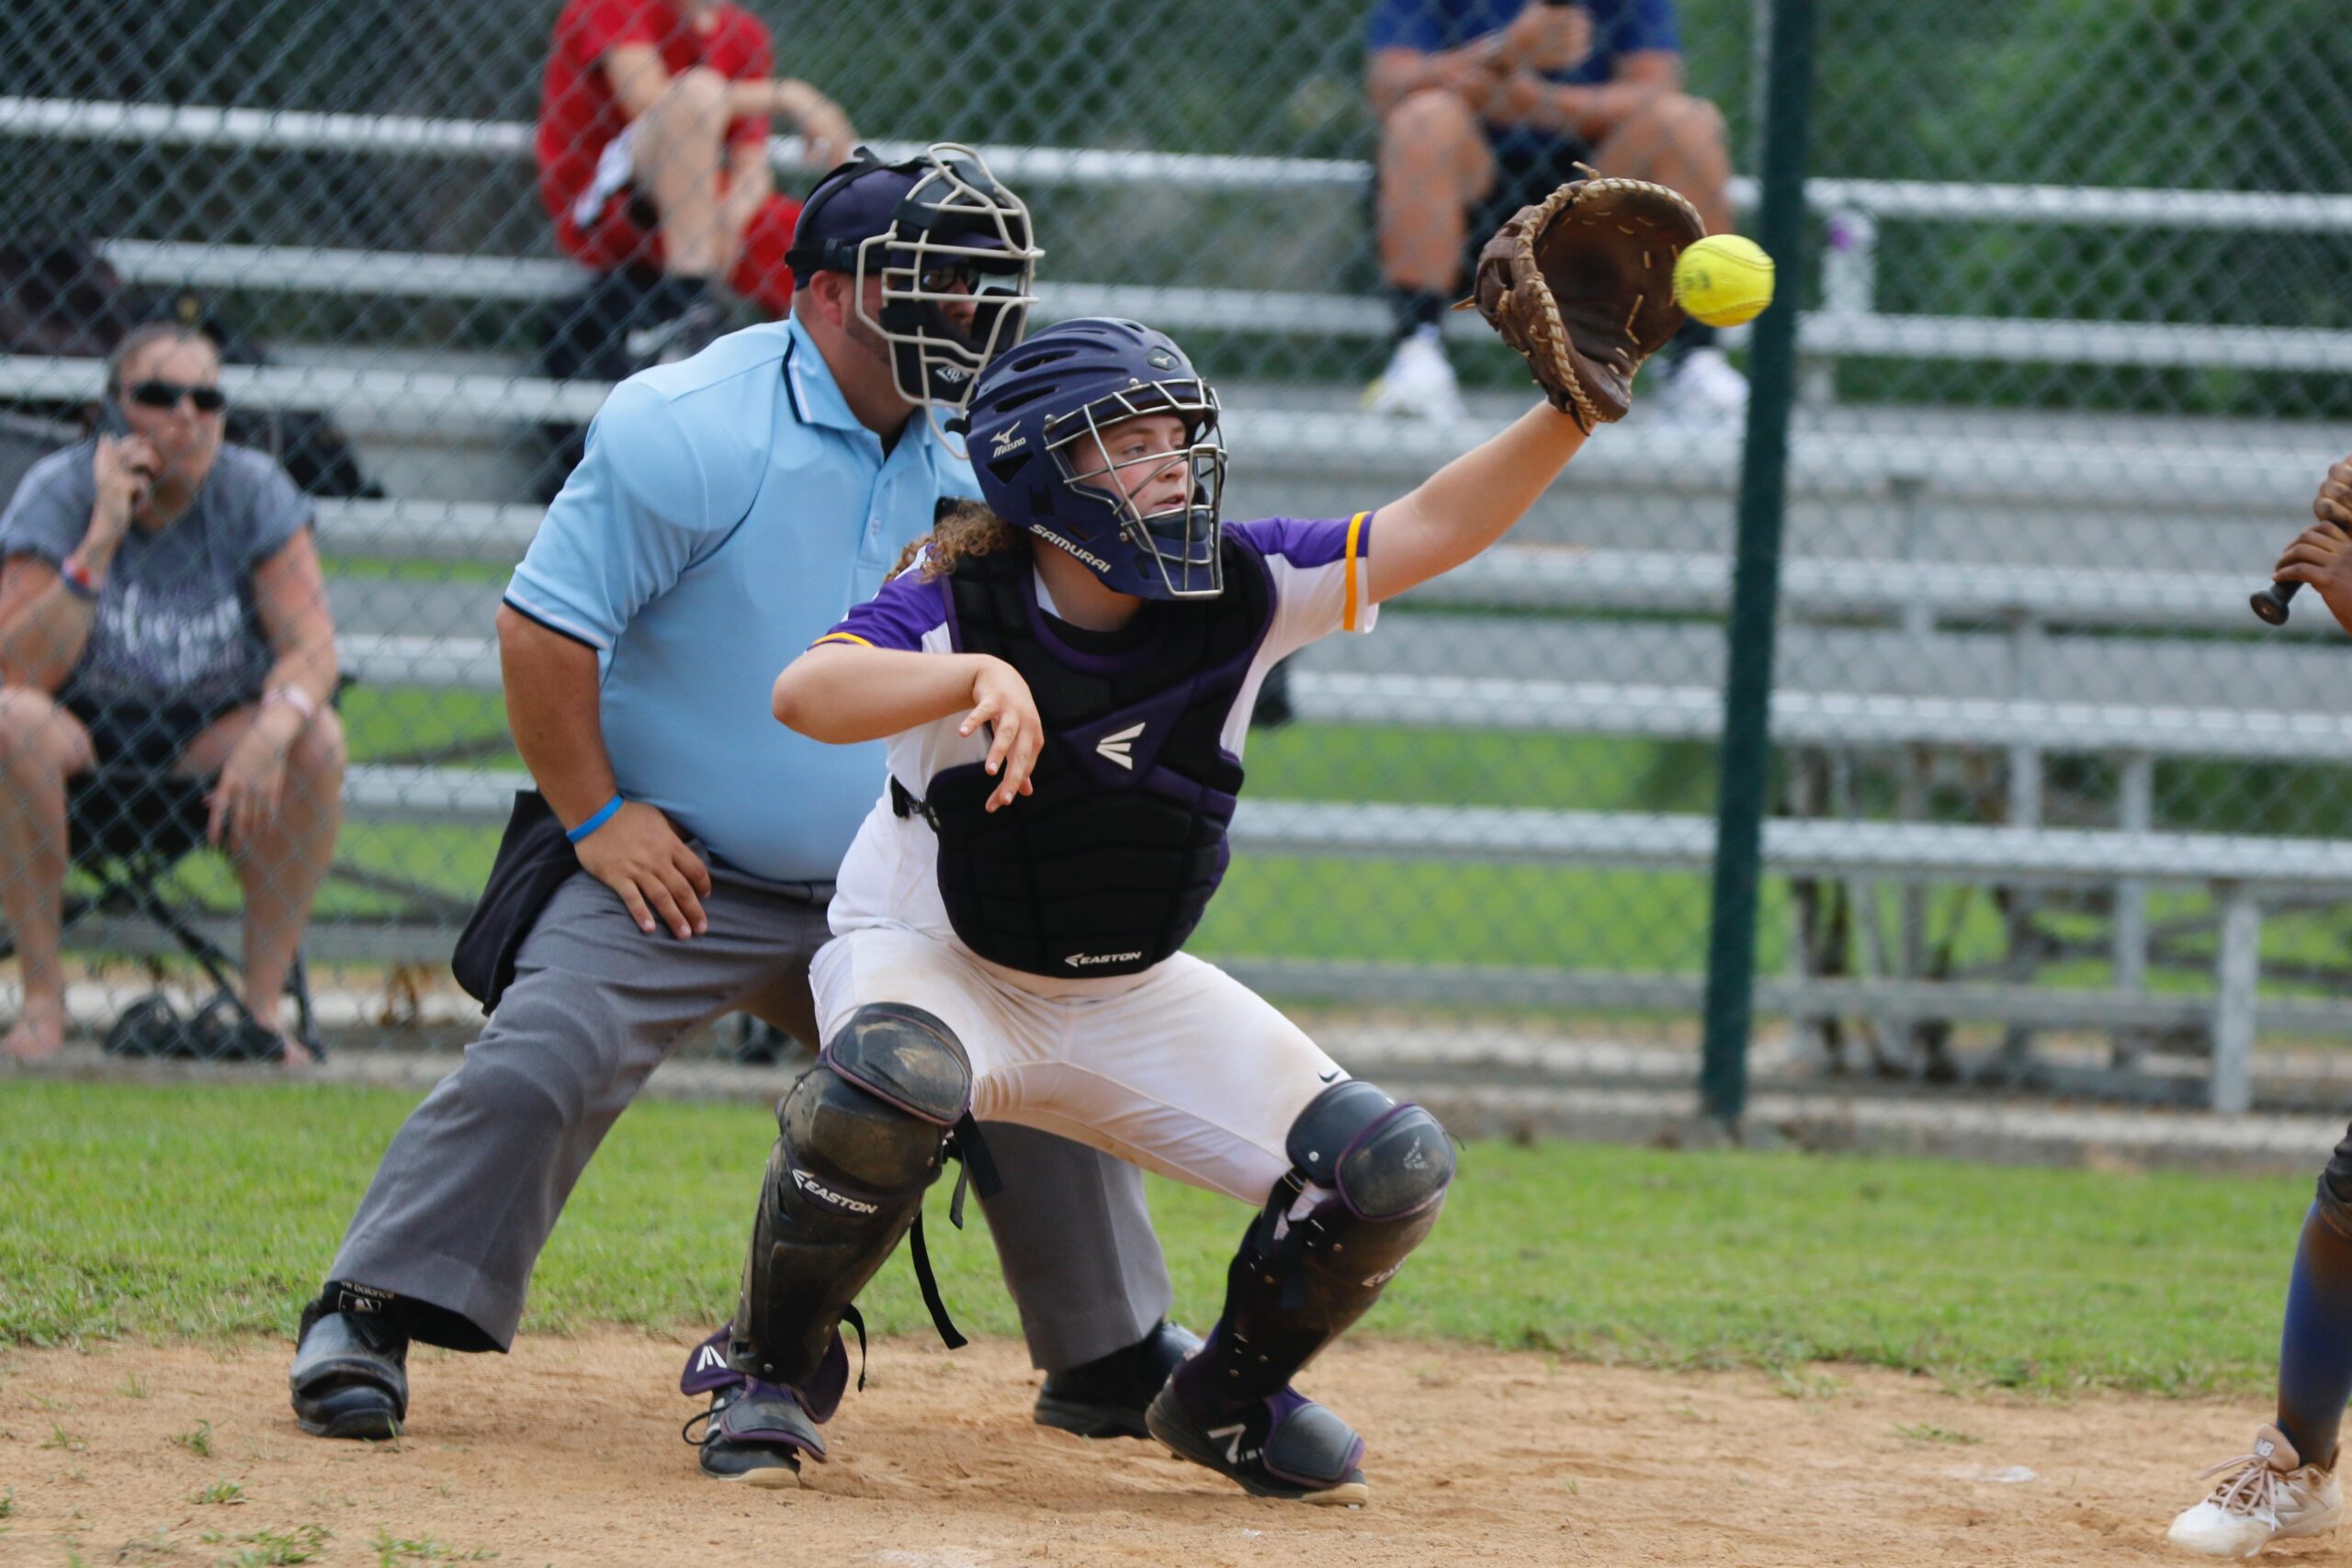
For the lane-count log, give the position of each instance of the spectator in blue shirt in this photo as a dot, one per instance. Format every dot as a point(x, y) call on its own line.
point(1485, 105)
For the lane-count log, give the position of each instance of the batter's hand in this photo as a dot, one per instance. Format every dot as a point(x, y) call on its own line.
point(2321, 554)
point(1000, 698)
point(2333, 502)
point(640, 856)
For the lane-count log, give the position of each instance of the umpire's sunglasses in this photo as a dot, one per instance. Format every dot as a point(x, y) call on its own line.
point(159, 394)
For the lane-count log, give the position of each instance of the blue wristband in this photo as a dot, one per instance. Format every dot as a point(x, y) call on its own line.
point(604, 815)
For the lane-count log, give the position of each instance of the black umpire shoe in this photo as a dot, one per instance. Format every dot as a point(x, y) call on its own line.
point(350, 1375)
point(1107, 1398)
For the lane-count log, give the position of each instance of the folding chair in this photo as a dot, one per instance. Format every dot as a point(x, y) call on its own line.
point(126, 826)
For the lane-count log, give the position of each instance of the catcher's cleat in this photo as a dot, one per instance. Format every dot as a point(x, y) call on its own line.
point(1419, 382)
point(2265, 1495)
point(350, 1375)
point(1286, 1445)
point(1106, 1398)
point(757, 1432)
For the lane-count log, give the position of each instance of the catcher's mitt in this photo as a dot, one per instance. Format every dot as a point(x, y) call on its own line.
point(1582, 286)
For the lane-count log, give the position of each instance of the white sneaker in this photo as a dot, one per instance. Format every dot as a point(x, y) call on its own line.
point(2268, 1495)
point(1701, 388)
point(1419, 382)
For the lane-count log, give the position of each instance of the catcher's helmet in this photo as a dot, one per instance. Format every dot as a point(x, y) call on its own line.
point(1026, 427)
point(925, 227)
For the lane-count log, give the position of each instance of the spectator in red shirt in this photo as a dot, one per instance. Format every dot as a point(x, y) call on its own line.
point(652, 151)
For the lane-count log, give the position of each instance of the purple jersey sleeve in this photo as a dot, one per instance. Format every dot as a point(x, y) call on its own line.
point(907, 610)
point(1318, 570)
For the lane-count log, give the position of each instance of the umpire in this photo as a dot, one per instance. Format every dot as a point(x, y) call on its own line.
point(676, 861)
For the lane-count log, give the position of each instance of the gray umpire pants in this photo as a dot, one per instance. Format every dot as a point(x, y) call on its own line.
point(472, 1184)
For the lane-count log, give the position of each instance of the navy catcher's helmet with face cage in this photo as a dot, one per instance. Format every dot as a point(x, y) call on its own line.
point(934, 231)
point(1026, 428)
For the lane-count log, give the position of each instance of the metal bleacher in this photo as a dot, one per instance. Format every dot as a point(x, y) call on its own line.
point(1969, 632)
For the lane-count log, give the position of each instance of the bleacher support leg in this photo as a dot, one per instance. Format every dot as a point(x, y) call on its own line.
point(2136, 814)
point(2026, 641)
point(2233, 1002)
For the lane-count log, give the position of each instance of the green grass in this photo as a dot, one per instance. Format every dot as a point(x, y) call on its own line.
point(211, 1212)
point(272, 1548)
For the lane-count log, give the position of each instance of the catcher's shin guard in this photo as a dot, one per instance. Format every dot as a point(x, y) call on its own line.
point(1368, 1177)
point(859, 1139)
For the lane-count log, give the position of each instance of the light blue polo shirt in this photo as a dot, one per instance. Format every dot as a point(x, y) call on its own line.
point(728, 510)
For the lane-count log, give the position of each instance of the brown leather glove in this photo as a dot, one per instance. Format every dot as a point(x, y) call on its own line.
point(1582, 286)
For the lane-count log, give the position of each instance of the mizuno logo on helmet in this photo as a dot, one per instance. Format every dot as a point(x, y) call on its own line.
point(1007, 441)
point(1119, 748)
point(824, 1194)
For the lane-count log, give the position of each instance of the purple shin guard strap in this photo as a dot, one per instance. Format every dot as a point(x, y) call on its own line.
point(1195, 1378)
point(821, 1394)
point(707, 1372)
point(706, 1369)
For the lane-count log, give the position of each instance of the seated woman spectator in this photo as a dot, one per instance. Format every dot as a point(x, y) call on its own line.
point(162, 608)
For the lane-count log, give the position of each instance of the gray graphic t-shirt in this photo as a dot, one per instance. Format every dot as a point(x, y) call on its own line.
point(176, 620)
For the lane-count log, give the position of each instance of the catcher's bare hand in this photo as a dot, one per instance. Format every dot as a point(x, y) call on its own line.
point(1001, 699)
point(640, 856)
point(1582, 286)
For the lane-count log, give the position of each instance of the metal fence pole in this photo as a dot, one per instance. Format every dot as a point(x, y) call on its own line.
point(1747, 686)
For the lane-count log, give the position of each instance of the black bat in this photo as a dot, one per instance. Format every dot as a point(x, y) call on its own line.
point(2270, 603)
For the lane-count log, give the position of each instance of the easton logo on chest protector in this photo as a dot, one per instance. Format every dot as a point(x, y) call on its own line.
point(1108, 866)
point(1120, 747)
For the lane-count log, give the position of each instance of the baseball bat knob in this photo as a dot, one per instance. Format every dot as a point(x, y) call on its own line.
point(2269, 605)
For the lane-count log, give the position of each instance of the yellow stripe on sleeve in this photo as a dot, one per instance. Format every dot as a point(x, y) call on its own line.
point(842, 636)
point(1348, 610)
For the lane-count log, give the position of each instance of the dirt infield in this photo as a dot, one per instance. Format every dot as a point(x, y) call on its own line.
point(566, 1452)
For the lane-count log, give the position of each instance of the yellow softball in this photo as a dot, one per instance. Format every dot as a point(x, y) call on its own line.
point(1724, 279)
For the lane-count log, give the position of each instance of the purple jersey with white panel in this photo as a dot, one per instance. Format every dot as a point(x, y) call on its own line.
point(1308, 580)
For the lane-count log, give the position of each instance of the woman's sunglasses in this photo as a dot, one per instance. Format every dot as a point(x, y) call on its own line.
point(156, 394)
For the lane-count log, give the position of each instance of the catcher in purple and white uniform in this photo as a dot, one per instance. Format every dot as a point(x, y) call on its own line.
point(1064, 677)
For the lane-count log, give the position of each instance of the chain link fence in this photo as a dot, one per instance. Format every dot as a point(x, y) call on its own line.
point(2073, 357)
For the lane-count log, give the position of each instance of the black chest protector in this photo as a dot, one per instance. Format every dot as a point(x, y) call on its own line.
point(1106, 868)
